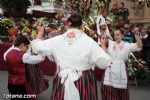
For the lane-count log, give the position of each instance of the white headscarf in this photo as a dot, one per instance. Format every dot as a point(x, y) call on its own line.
point(101, 21)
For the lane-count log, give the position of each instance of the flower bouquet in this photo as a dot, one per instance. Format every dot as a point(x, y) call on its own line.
point(5, 25)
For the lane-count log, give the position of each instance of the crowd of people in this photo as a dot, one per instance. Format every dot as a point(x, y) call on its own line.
point(76, 53)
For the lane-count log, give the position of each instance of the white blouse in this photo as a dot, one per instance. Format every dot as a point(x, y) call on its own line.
point(79, 52)
point(73, 53)
point(122, 50)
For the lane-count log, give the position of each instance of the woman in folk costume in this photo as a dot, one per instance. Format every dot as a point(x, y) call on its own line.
point(33, 72)
point(75, 55)
point(101, 25)
point(114, 86)
point(16, 58)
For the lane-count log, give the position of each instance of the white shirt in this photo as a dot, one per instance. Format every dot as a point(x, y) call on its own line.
point(73, 53)
point(27, 57)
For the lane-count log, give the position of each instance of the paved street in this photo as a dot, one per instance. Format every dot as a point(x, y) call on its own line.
point(141, 92)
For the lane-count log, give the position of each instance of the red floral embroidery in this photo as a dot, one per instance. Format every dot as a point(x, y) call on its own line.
point(71, 35)
point(120, 47)
point(114, 47)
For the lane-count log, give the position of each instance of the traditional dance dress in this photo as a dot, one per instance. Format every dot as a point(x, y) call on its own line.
point(75, 55)
point(114, 86)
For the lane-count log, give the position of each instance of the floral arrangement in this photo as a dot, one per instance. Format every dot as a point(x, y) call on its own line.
point(137, 68)
point(5, 24)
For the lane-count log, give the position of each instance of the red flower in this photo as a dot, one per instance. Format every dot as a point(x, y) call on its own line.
point(114, 47)
point(121, 47)
point(71, 35)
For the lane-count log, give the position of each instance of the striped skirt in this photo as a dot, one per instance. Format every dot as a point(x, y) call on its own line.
point(110, 93)
point(36, 78)
point(86, 86)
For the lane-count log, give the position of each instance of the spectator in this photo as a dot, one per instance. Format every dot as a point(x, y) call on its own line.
point(122, 11)
point(140, 26)
point(93, 32)
point(114, 9)
point(148, 29)
point(127, 34)
point(132, 30)
point(146, 49)
point(144, 34)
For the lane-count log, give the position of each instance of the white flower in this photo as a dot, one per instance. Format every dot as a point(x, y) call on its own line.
point(29, 11)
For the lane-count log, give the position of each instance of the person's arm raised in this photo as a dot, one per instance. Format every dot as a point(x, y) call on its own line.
point(138, 41)
point(40, 34)
point(41, 46)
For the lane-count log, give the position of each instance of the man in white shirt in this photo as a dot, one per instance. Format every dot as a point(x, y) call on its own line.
point(75, 55)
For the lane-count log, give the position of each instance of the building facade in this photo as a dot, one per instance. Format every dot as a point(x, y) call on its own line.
point(138, 10)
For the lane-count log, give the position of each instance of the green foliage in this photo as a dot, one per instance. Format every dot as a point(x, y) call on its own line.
point(140, 73)
point(5, 24)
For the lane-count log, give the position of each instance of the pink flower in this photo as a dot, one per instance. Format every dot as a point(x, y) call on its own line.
point(114, 47)
point(120, 47)
point(71, 35)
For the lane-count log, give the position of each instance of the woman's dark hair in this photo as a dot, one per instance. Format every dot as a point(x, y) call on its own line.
point(148, 29)
point(140, 24)
point(75, 19)
point(93, 27)
point(121, 31)
point(119, 27)
point(132, 26)
point(21, 39)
